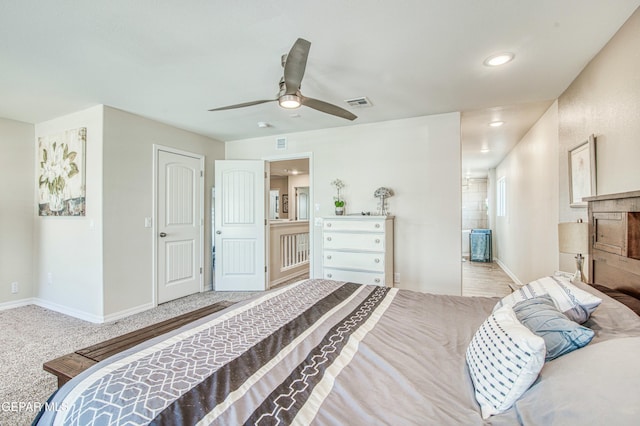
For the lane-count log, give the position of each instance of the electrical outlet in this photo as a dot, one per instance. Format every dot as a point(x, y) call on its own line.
point(396, 277)
point(14, 287)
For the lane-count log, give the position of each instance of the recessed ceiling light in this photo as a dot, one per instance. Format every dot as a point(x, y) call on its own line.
point(499, 59)
point(484, 150)
point(496, 123)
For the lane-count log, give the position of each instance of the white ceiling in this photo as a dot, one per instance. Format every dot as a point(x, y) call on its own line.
point(171, 61)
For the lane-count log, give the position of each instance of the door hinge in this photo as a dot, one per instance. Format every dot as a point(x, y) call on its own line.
point(201, 270)
point(265, 222)
point(265, 269)
point(201, 173)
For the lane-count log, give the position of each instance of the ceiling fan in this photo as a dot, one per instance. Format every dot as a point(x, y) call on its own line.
point(289, 96)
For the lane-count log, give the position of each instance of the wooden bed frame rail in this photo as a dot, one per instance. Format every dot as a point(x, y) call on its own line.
point(68, 366)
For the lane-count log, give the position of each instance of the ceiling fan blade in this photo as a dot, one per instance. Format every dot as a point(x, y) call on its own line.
point(295, 65)
point(246, 104)
point(327, 108)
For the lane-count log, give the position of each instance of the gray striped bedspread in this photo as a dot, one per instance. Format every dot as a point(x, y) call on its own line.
point(316, 352)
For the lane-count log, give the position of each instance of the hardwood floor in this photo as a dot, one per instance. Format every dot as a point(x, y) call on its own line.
point(485, 279)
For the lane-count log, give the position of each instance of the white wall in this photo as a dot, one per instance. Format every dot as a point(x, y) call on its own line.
point(70, 248)
point(128, 199)
point(16, 210)
point(419, 158)
point(526, 240)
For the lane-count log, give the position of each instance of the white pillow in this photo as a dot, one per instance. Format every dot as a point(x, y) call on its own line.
point(504, 359)
point(576, 304)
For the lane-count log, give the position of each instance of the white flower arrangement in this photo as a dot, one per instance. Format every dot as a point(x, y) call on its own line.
point(382, 194)
point(57, 167)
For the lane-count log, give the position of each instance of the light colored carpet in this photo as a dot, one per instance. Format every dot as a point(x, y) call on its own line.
point(32, 335)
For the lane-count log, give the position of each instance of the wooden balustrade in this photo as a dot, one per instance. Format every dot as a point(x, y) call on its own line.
point(289, 251)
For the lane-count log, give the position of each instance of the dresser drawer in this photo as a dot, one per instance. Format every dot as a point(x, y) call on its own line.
point(349, 260)
point(353, 241)
point(371, 278)
point(369, 225)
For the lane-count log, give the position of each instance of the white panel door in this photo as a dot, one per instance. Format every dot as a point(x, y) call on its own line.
point(179, 225)
point(240, 225)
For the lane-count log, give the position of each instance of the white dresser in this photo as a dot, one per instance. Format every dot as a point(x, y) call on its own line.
point(358, 249)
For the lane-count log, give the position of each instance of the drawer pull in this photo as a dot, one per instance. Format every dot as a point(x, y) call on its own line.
point(377, 240)
point(377, 260)
point(377, 225)
point(377, 280)
point(328, 256)
point(329, 275)
point(328, 238)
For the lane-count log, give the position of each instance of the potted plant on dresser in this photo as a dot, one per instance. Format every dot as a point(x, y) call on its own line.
point(338, 201)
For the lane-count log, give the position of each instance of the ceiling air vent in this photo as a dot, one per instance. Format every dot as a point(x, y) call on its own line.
point(361, 102)
point(281, 143)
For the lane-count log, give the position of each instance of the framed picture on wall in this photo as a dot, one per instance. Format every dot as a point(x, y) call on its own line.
point(582, 172)
point(61, 173)
point(285, 203)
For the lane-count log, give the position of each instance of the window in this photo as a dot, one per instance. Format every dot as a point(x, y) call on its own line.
point(501, 195)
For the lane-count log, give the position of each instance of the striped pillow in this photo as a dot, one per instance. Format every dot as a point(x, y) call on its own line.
point(575, 303)
point(504, 359)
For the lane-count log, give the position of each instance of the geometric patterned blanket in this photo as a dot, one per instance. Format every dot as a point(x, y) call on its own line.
point(271, 360)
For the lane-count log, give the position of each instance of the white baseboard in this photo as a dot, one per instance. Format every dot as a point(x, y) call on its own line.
point(131, 311)
point(86, 316)
point(97, 319)
point(16, 303)
point(508, 272)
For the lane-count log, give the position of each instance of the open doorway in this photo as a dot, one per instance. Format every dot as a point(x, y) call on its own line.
point(289, 230)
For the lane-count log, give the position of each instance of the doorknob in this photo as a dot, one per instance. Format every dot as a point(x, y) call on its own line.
point(218, 232)
point(163, 234)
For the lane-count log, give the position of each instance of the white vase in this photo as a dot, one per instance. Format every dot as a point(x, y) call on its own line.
point(339, 211)
point(56, 202)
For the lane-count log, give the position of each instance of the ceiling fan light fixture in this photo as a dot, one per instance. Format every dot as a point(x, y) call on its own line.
point(289, 101)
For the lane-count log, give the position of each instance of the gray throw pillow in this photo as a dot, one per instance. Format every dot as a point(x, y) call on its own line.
point(560, 334)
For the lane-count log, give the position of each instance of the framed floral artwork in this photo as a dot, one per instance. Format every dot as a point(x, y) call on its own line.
point(582, 172)
point(61, 173)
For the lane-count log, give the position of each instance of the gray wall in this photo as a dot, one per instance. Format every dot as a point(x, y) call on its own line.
point(603, 100)
point(16, 210)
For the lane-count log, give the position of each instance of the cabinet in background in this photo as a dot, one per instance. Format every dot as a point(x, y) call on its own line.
point(358, 249)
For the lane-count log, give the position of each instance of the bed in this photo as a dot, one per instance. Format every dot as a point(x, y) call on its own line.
point(334, 353)
point(327, 352)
